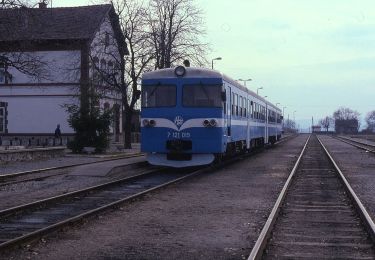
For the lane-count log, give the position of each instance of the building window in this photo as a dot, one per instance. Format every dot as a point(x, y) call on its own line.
point(106, 39)
point(103, 65)
point(3, 117)
point(2, 73)
point(94, 69)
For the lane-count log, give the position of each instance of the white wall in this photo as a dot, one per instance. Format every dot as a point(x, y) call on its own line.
point(37, 114)
point(38, 108)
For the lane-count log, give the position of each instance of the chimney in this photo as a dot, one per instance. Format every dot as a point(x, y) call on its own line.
point(42, 5)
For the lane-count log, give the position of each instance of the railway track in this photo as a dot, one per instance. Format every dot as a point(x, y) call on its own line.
point(30, 221)
point(317, 215)
point(12, 178)
point(361, 145)
point(33, 220)
point(9, 178)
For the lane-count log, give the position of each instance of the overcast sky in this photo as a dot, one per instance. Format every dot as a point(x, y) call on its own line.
point(310, 56)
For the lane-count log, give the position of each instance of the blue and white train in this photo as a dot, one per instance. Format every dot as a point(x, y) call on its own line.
point(192, 116)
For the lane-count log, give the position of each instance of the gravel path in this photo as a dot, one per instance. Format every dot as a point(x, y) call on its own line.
point(358, 167)
point(214, 216)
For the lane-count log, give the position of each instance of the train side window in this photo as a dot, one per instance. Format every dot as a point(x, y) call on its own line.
point(246, 107)
point(241, 106)
point(236, 100)
point(232, 101)
point(252, 109)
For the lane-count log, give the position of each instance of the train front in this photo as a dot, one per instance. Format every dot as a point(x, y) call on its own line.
point(182, 121)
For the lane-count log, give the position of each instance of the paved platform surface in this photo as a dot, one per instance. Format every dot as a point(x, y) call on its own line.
point(102, 169)
point(68, 159)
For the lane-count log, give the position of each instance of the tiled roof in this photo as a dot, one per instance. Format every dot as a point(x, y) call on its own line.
point(51, 23)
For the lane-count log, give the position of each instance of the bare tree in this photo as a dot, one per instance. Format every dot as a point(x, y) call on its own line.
point(159, 33)
point(290, 126)
point(132, 19)
point(125, 76)
point(370, 120)
point(326, 122)
point(346, 120)
point(14, 54)
point(175, 29)
point(344, 113)
point(6, 4)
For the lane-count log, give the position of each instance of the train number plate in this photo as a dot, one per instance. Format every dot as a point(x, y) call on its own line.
point(179, 135)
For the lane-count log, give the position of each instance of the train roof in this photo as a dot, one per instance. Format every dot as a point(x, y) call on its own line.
point(196, 72)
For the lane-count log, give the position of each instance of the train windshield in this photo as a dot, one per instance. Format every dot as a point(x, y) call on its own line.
point(202, 95)
point(159, 96)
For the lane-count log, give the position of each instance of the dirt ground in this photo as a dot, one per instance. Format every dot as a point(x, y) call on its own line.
point(214, 216)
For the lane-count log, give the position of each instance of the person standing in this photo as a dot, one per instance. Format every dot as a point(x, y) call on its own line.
point(58, 133)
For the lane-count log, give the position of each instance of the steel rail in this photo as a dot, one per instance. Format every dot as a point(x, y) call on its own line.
point(356, 201)
point(4, 214)
point(45, 230)
point(261, 242)
point(53, 199)
point(16, 174)
point(39, 178)
point(357, 144)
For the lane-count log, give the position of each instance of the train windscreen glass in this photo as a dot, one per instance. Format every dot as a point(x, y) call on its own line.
point(159, 96)
point(202, 95)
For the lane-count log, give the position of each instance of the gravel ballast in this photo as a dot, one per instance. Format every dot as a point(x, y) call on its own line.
point(214, 216)
point(358, 166)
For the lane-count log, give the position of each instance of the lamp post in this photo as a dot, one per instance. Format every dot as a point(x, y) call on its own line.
point(283, 116)
point(294, 116)
point(212, 62)
point(244, 81)
point(258, 89)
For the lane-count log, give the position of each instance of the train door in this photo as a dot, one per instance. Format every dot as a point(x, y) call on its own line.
point(228, 115)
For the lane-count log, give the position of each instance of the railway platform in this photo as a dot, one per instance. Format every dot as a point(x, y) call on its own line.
point(67, 159)
point(105, 168)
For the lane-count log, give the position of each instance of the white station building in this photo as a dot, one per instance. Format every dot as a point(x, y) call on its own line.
point(65, 42)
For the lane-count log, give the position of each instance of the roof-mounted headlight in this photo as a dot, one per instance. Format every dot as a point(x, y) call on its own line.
point(180, 71)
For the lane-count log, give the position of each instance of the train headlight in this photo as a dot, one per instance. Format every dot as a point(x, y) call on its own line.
point(152, 122)
point(206, 123)
point(179, 71)
point(213, 122)
point(146, 122)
